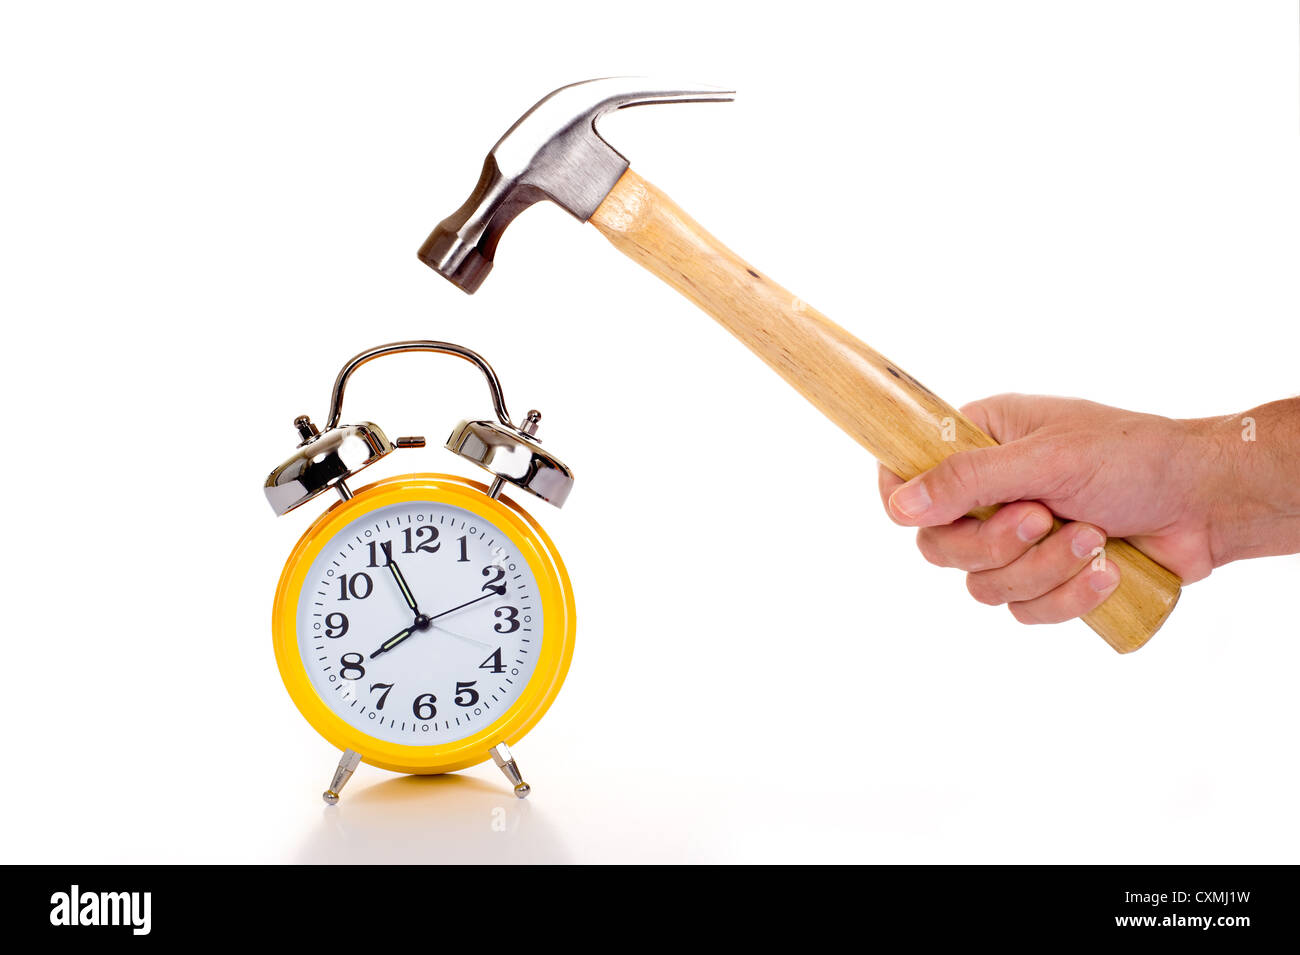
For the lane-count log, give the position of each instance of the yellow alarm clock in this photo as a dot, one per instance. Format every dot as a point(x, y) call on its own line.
point(423, 623)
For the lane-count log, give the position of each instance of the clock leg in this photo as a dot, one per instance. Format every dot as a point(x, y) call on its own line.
point(506, 763)
point(342, 773)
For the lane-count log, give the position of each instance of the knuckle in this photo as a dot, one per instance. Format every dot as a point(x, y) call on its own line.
point(1005, 544)
point(963, 476)
point(1024, 614)
point(1061, 459)
point(931, 549)
point(984, 590)
point(997, 547)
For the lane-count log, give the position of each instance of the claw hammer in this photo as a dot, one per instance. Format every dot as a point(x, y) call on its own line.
point(554, 152)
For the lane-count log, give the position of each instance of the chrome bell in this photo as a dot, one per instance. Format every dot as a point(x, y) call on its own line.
point(513, 456)
point(323, 461)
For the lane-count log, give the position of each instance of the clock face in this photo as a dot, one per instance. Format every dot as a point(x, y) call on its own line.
point(419, 623)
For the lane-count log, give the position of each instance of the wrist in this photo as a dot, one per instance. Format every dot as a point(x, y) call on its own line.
point(1250, 481)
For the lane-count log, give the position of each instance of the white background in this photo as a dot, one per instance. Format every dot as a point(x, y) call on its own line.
point(207, 209)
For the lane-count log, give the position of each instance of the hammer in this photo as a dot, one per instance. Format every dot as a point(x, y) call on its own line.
point(554, 152)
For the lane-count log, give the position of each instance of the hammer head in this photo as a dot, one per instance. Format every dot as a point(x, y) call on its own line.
point(552, 152)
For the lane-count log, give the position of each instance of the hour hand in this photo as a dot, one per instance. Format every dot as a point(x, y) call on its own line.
point(403, 586)
point(393, 641)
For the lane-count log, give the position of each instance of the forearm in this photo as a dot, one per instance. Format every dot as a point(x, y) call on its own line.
point(1252, 481)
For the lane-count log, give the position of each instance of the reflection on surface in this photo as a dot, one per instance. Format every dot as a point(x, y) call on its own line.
point(432, 820)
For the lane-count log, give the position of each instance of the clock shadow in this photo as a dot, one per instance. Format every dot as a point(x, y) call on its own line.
point(432, 820)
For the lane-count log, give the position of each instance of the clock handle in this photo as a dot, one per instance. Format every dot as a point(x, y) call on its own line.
point(425, 345)
point(900, 421)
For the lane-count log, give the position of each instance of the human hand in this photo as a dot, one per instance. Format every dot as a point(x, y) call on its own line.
point(1187, 492)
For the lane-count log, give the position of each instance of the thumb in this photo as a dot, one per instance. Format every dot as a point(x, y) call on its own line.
point(971, 479)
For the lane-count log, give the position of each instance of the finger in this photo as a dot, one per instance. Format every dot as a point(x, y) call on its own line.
point(1079, 595)
point(1045, 567)
point(970, 479)
point(888, 482)
point(1006, 417)
point(975, 545)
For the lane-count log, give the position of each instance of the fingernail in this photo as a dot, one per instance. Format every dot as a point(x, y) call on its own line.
point(1103, 580)
point(1085, 542)
point(1034, 526)
point(911, 500)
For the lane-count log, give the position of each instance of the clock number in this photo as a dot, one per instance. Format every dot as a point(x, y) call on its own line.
point(386, 547)
point(336, 624)
point(494, 585)
point(493, 663)
point(469, 691)
point(512, 618)
point(351, 662)
point(423, 707)
point(464, 550)
point(388, 688)
point(419, 542)
point(351, 586)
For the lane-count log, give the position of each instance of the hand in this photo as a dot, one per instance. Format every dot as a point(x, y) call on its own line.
point(401, 584)
point(423, 623)
point(410, 602)
point(461, 636)
point(467, 603)
point(1192, 494)
point(397, 638)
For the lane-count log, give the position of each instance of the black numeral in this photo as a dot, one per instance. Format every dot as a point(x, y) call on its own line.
point(423, 707)
point(493, 663)
point(494, 585)
point(386, 547)
point(471, 694)
point(348, 663)
point(336, 624)
point(512, 618)
point(388, 688)
point(352, 586)
point(464, 550)
point(424, 538)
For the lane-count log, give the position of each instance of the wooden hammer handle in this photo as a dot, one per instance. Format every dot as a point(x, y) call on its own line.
point(900, 421)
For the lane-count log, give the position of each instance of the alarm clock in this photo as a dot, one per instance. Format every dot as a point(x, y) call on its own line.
point(423, 623)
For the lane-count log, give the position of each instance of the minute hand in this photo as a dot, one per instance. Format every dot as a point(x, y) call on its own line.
point(462, 606)
point(403, 586)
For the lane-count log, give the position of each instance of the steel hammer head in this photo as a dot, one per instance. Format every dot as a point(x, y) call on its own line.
point(552, 152)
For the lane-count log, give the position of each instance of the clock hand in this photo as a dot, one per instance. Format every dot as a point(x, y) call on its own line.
point(423, 623)
point(464, 605)
point(461, 636)
point(397, 638)
point(405, 588)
